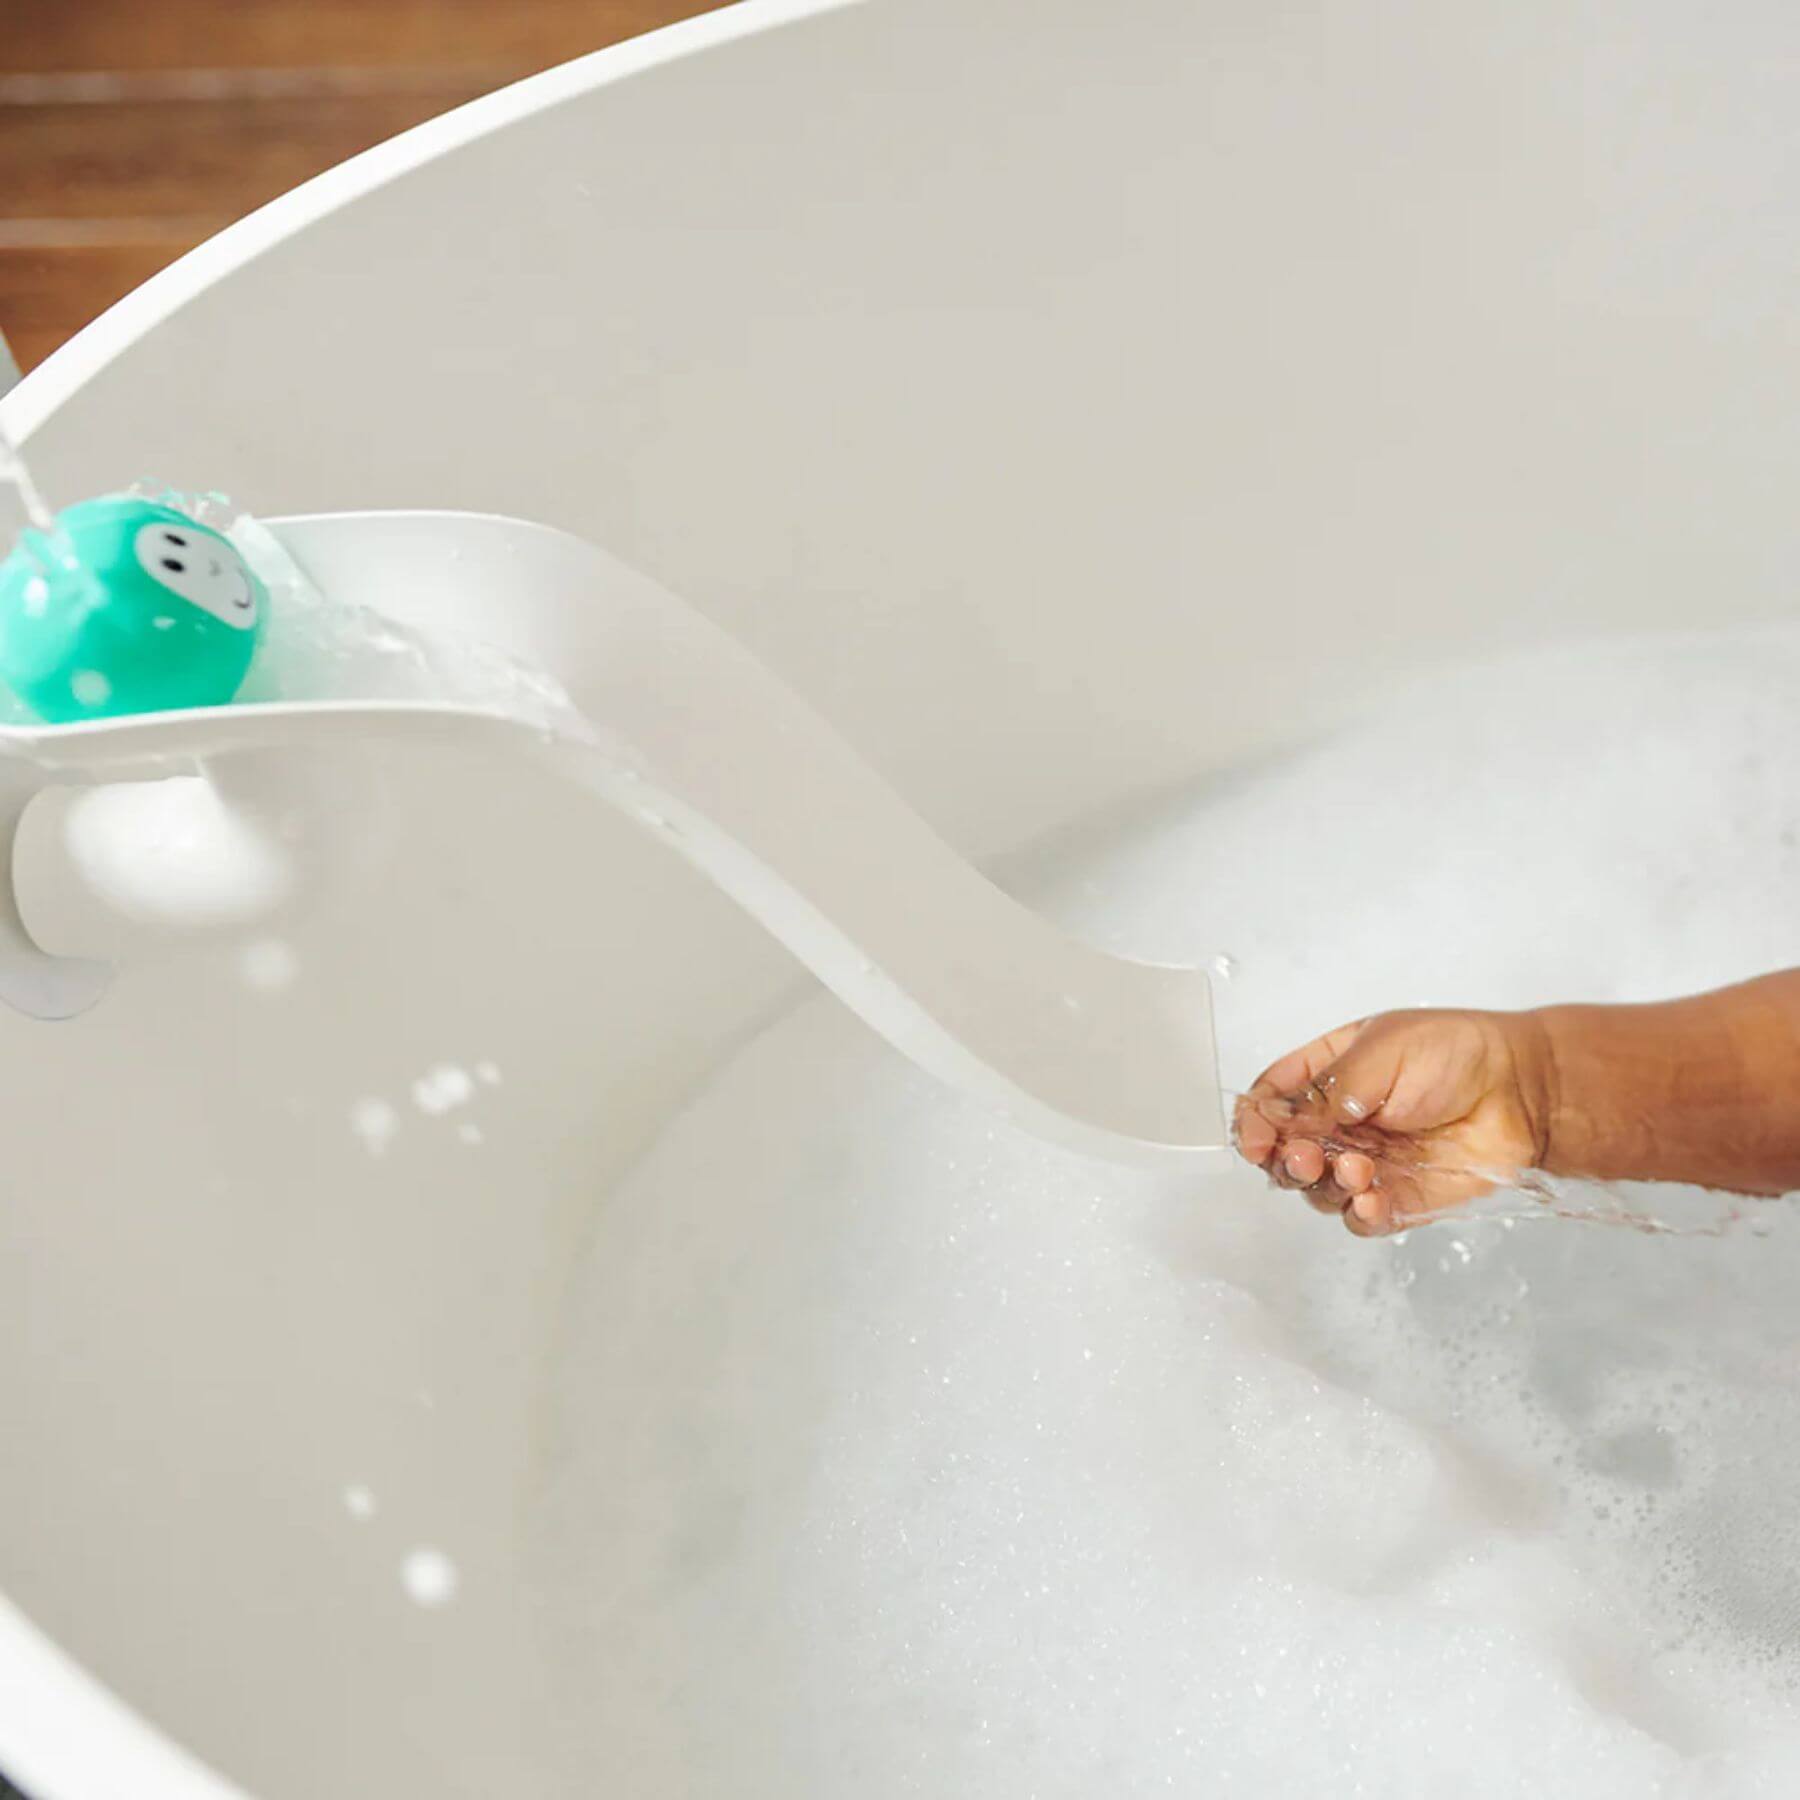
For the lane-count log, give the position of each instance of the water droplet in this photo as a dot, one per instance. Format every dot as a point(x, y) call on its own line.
point(1225, 967)
point(429, 1577)
point(488, 1072)
point(375, 1122)
point(15, 474)
point(37, 596)
point(359, 1501)
point(90, 688)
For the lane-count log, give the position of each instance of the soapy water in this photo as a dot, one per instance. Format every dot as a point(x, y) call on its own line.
point(896, 1454)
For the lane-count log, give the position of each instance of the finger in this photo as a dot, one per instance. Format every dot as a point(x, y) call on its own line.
point(1356, 1086)
point(1300, 1067)
point(1397, 1203)
point(1326, 1198)
point(1403, 1218)
point(1303, 1162)
point(1304, 1165)
point(1353, 1171)
point(1256, 1134)
point(1369, 1214)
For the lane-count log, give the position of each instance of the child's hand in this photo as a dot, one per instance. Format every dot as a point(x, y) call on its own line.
point(1392, 1120)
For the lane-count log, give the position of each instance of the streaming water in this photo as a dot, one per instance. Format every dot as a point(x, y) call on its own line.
point(25, 505)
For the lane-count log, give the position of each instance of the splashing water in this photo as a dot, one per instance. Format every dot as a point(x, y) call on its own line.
point(429, 1577)
point(320, 647)
point(1653, 1209)
point(23, 508)
point(26, 501)
point(1523, 1196)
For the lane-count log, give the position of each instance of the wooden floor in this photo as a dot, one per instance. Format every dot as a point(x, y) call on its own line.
point(130, 131)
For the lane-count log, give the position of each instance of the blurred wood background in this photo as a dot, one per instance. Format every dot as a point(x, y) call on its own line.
point(129, 130)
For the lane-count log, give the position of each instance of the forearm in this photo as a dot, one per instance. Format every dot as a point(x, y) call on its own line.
point(1703, 1090)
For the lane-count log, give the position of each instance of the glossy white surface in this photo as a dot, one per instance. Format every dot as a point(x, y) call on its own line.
point(1061, 407)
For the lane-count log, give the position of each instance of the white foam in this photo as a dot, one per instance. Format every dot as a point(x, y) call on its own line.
point(900, 1455)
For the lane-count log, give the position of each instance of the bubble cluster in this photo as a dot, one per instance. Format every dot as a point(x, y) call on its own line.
point(442, 1089)
point(897, 1454)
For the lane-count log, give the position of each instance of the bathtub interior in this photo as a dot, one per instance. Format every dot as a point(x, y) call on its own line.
point(267, 1269)
point(1066, 408)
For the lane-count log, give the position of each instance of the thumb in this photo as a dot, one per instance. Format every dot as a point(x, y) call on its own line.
point(1360, 1083)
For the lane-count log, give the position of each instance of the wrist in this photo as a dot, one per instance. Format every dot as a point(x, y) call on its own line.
point(1531, 1053)
point(1603, 1073)
point(1696, 1090)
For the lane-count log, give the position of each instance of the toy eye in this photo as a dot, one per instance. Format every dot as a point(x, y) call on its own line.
point(174, 537)
point(172, 564)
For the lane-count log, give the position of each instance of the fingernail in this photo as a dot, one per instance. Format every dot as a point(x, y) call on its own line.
point(1354, 1107)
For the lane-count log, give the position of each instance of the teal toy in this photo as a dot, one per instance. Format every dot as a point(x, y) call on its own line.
point(126, 607)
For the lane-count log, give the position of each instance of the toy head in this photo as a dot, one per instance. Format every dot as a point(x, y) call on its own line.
point(128, 607)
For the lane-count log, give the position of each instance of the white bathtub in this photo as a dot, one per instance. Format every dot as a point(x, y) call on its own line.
point(1013, 375)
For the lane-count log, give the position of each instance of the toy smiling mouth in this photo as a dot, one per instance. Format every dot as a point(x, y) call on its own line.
point(241, 599)
point(237, 593)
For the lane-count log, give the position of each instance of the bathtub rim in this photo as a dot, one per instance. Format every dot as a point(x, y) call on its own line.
point(62, 374)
